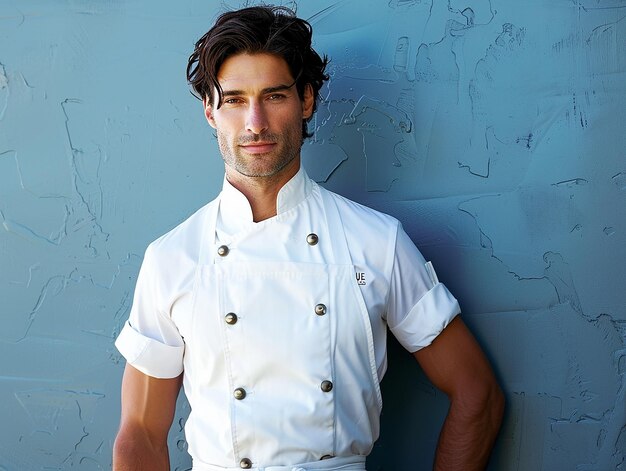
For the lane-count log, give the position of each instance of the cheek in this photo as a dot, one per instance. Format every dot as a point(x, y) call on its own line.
point(222, 137)
point(291, 120)
point(224, 130)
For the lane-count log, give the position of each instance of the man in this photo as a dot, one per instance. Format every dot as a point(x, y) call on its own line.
point(253, 302)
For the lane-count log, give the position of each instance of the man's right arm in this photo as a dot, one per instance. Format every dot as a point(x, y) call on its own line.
point(148, 406)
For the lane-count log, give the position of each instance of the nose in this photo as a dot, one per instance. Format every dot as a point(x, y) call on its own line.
point(256, 119)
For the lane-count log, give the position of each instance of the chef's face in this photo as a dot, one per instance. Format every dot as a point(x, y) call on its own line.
point(259, 124)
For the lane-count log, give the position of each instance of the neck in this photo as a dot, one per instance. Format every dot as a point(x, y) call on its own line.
point(262, 192)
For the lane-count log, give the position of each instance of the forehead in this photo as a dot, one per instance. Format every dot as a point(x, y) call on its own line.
point(250, 72)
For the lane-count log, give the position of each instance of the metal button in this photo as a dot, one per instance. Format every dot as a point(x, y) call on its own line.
point(326, 457)
point(312, 239)
point(222, 250)
point(231, 318)
point(239, 393)
point(320, 309)
point(326, 385)
point(245, 463)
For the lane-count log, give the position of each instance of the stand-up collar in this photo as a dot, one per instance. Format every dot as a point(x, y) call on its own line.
point(235, 212)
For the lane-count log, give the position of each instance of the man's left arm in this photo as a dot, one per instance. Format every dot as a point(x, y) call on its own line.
point(455, 364)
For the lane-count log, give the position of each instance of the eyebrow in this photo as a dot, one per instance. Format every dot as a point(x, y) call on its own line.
point(277, 88)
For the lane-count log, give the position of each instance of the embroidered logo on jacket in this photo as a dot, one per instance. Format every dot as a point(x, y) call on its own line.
point(360, 278)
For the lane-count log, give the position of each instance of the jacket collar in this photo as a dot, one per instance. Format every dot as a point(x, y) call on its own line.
point(235, 212)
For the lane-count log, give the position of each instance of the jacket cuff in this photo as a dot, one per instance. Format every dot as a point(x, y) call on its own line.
point(427, 319)
point(148, 355)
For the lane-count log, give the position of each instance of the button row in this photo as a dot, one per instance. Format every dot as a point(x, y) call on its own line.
point(311, 239)
point(231, 318)
point(246, 463)
point(240, 393)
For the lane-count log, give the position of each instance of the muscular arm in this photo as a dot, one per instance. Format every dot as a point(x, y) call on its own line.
point(455, 364)
point(148, 406)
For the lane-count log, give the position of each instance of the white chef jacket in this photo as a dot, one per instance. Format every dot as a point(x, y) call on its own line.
point(397, 289)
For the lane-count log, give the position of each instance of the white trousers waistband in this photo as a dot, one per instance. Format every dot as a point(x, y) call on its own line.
point(348, 463)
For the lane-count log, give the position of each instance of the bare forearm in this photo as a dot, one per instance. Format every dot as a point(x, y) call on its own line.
point(468, 434)
point(148, 406)
point(137, 453)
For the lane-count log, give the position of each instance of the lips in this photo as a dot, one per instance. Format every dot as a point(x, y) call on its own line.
point(259, 147)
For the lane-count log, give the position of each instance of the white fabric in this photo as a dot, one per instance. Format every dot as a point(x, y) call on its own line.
point(180, 281)
point(143, 352)
point(424, 322)
point(352, 463)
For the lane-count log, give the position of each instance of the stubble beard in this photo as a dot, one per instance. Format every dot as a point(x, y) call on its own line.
point(264, 165)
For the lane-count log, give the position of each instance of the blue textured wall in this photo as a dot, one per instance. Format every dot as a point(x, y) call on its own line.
point(495, 130)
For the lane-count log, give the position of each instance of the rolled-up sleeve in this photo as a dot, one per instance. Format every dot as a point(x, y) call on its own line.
point(148, 355)
point(419, 306)
point(150, 340)
point(432, 313)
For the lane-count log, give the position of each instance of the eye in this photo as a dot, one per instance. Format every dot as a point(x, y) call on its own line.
point(276, 97)
point(231, 101)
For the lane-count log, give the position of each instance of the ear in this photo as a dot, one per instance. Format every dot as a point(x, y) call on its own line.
point(307, 101)
point(208, 112)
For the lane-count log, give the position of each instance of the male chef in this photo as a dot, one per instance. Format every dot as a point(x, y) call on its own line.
point(271, 303)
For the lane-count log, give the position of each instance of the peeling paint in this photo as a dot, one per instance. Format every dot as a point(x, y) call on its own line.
point(4, 91)
point(486, 175)
point(619, 180)
point(609, 231)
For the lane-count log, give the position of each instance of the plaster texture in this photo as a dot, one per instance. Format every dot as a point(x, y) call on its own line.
point(494, 130)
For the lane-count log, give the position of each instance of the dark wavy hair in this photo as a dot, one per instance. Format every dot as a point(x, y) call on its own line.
point(260, 29)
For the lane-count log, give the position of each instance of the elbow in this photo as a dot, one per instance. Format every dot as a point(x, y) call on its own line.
point(136, 448)
point(481, 400)
point(123, 450)
point(126, 446)
point(496, 404)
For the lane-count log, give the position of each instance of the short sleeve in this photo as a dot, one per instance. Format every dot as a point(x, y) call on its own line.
point(419, 306)
point(150, 340)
